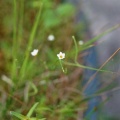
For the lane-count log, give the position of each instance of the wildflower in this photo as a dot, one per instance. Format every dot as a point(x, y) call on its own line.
point(34, 52)
point(61, 55)
point(80, 42)
point(51, 38)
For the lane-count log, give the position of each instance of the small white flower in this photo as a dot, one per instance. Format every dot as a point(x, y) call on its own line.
point(61, 55)
point(80, 42)
point(34, 52)
point(51, 38)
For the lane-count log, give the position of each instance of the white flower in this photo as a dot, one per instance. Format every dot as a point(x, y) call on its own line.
point(80, 42)
point(51, 38)
point(61, 55)
point(34, 52)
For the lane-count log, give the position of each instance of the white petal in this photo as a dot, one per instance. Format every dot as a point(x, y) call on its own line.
point(64, 55)
point(60, 53)
point(51, 37)
point(34, 52)
point(81, 42)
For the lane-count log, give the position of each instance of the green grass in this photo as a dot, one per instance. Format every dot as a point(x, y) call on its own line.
point(42, 86)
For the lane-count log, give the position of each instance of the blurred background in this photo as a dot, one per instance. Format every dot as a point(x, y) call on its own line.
point(88, 87)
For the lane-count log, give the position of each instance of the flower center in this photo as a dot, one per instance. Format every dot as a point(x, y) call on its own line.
point(61, 56)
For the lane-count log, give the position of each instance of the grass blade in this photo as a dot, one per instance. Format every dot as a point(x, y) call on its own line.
point(32, 109)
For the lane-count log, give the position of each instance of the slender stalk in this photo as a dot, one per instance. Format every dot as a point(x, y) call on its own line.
point(20, 31)
point(93, 76)
point(87, 67)
point(14, 49)
point(76, 49)
point(91, 41)
point(29, 48)
point(61, 65)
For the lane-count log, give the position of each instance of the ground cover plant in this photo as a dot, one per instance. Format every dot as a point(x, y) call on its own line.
point(41, 64)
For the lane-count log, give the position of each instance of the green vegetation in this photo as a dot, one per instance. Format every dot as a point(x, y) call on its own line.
point(42, 86)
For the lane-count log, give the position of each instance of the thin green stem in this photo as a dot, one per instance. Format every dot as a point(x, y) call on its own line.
point(61, 65)
point(91, 41)
point(20, 31)
point(14, 49)
point(29, 48)
point(87, 67)
point(76, 49)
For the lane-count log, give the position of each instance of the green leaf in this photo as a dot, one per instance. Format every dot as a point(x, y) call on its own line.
point(50, 19)
point(18, 115)
point(32, 109)
point(91, 41)
point(86, 67)
point(65, 10)
point(37, 119)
